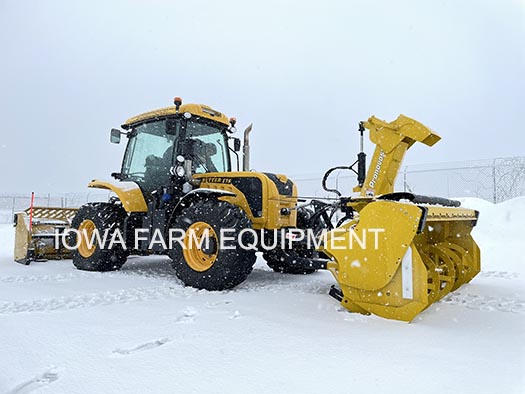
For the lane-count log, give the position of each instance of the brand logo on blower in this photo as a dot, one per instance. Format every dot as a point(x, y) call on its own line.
point(377, 171)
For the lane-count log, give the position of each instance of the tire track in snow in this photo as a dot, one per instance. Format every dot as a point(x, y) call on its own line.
point(272, 279)
point(39, 278)
point(142, 347)
point(123, 296)
point(143, 273)
point(485, 303)
point(35, 383)
point(138, 294)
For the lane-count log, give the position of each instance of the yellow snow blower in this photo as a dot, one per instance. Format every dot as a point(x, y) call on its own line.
point(177, 175)
point(423, 249)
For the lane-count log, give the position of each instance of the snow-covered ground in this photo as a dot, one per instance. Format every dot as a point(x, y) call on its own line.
point(140, 331)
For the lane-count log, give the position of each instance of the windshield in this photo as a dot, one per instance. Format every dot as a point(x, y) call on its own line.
point(211, 152)
point(149, 154)
point(153, 146)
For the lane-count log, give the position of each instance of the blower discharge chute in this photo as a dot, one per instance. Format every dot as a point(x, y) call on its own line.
point(178, 173)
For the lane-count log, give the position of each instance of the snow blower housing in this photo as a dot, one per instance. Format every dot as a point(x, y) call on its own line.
point(177, 173)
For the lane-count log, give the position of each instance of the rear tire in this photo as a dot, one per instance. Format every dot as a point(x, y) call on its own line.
point(213, 268)
point(101, 216)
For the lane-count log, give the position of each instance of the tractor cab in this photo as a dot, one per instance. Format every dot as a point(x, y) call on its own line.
point(167, 147)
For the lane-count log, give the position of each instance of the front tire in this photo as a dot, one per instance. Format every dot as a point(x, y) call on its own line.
point(102, 217)
point(210, 267)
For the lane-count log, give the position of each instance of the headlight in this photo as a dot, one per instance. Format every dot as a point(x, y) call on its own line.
point(179, 171)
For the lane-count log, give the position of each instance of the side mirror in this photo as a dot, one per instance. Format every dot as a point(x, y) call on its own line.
point(236, 144)
point(117, 175)
point(114, 136)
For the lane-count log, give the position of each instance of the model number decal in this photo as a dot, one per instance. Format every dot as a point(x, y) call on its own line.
point(219, 180)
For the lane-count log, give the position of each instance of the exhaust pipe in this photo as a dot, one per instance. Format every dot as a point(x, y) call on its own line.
point(246, 149)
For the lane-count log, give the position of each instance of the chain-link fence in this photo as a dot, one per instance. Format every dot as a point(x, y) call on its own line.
point(494, 180)
point(11, 203)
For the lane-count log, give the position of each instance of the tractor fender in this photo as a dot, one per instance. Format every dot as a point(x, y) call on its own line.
point(199, 194)
point(129, 194)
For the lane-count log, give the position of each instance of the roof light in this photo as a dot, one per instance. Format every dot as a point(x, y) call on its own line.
point(232, 128)
point(178, 102)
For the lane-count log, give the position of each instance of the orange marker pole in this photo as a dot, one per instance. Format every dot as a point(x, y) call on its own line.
point(31, 211)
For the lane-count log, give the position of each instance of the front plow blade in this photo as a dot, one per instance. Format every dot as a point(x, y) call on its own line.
point(413, 256)
point(35, 241)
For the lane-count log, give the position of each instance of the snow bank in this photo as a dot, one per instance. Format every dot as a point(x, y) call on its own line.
point(7, 242)
point(500, 233)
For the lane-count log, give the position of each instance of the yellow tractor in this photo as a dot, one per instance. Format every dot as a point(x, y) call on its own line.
point(179, 194)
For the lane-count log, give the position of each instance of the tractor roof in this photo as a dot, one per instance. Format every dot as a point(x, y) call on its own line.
point(195, 109)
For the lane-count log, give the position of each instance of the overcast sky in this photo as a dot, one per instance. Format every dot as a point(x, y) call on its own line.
point(305, 73)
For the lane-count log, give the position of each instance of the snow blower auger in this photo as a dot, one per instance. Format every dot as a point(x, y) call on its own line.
point(421, 248)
